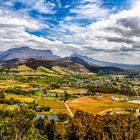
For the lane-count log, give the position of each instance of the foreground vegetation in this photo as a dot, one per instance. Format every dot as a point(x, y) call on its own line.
point(21, 125)
point(40, 104)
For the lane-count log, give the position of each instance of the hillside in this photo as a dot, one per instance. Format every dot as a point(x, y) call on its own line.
point(106, 64)
point(72, 63)
point(22, 54)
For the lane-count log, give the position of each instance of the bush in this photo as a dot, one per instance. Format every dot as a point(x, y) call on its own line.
point(63, 117)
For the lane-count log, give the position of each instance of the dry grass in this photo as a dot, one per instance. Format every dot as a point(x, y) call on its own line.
point(8, 107)
point(21, 98)
point(96, 106)
point(43, 69)
point(59, 70)
point(56, 106)
point(11, 83)
point(69, 91)
point(23, 68)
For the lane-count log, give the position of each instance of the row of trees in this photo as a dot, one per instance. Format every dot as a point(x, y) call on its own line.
point(18, 90)
point(124, 89)
point(37, 108)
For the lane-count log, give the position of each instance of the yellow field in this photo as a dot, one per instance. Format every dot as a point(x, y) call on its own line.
point(69, 91)
point(8, 107)
point(59, 70)
point(21, 98)
point(25, 71)
point(96, 106)
point(12, 83)
point(30, 73)
point(119, 96)
point(45, 69)
point(23, 68)
point(56, 106)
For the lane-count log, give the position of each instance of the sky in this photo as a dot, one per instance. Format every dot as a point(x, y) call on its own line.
point(107, 30)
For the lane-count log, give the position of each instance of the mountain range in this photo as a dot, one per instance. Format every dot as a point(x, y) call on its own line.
point(107, 64)
point(24, 53)
point(34, 58)
point(71, 63)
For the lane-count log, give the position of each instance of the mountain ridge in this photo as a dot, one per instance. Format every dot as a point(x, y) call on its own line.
point(27, 53)
point(106, 64)
point(22, 54)
point(72, 63)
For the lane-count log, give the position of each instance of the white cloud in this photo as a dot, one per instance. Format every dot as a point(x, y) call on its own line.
point(41, 6)
point(109, 37)
point(90, 9)
point(115, 38)
point(14, 32)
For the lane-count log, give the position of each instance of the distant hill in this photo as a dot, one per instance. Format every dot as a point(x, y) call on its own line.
point(71, 63)
point(68, 63)
point(106, 64)
point(24, 53)
point(46, 58)
point(50, 63)
point(7, 63)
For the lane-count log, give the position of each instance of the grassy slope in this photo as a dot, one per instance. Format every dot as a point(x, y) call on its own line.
point(24, 70)
point(46, 70)
point(23, 67)
point(59, 70)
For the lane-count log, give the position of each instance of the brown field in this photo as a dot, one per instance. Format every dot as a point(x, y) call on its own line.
point(96, 106)
point(58, 69)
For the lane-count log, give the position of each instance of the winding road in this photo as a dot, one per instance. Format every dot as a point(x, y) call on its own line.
point(69, 110)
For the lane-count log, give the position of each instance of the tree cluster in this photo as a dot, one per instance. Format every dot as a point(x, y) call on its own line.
point(85, 126)
point(21, 124)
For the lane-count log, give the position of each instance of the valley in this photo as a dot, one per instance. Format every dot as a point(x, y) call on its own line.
point(90, 92)
point(58, 97)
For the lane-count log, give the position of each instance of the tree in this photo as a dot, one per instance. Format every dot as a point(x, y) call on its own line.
point(23, 121)
point(63, 116)
point(2, 94)
point(66, 96)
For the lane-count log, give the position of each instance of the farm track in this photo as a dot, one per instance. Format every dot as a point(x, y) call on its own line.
point(69, 110)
